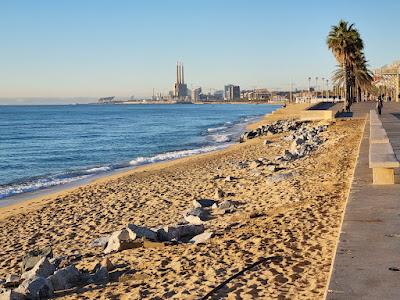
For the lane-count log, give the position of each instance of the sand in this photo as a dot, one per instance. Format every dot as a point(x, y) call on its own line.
point(283, 235)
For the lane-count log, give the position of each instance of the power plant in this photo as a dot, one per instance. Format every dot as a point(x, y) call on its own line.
point(180, 88)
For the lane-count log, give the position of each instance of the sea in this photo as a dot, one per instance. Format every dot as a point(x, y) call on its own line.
point(53, 145)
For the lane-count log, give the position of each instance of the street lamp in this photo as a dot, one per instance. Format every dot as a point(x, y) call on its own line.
point(322, 87)
point(327, 89)
point(316, 87)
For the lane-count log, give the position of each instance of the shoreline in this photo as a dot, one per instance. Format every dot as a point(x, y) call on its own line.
point(14, 201)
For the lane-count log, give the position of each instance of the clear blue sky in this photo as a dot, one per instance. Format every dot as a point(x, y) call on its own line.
point(90, 48)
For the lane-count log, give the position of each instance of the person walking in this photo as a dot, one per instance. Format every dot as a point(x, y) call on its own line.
point(379, 105)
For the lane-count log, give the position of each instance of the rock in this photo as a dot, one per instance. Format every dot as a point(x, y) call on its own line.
point(266, 142)
point(12, 280)
point(279, 177)
point(195, 220)
point(198, 212)
point(31, 259)
point(100, 242)
point(229, 178)
point(219, 194)
point(101, 276)
point(11, 295)
point(272, 168)
point(179, 233)
point(242, 165)
point(202, 238)
point(36, 288)
point(43, 268)
point(145, 232)
point(65, 278)
point(226, 204)
point(122, 240)
point(224, 207)
point(106, 263)
point(203, 203)
point(56, 261)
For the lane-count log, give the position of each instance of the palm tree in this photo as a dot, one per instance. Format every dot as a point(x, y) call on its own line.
point(344, 40)
point(361, 76)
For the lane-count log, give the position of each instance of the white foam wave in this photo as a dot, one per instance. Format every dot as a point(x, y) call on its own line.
point(98, 169)
point(215, 129)
point(36, 185)
point(173, 155)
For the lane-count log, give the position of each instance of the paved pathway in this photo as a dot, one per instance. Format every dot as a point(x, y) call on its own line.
point(368, 252)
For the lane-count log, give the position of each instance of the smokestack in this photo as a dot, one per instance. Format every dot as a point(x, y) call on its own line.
point(183, 78)
point(177, 72)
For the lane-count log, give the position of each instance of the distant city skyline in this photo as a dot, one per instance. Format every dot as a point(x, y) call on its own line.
point(76, 51)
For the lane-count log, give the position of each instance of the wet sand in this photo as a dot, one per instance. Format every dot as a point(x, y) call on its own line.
point(282, 234)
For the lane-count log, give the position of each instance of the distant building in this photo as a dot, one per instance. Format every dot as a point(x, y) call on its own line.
point(231, 92)
point(218, 95)
point(196, 94)
point(180, 88)
point(106, 100)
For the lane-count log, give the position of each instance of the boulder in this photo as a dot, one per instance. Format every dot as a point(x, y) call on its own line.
point(144, 232)
point(12, 280)
point(43, 268)
point(100, 242)
point(122, 240)
point(101, 276)
point(198, 212)
point(180, 232)
point(279, 177)
point(224, 207)
point(203, 203)
point(195, 220)
point(65, 278)
point(106, 263)
point(202, 238)
point(36, 288)
point(32, 257)
point(11, 295)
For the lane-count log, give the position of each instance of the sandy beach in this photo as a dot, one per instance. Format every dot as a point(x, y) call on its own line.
point(282, 234)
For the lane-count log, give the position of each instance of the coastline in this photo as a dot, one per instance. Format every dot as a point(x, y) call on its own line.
point(295, 219)
point(12, 202)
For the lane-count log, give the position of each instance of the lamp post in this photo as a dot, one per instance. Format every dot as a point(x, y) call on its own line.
point(316, 87)
point(327, 88)
point(322, 87)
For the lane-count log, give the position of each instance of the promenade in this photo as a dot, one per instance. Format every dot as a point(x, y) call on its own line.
point(367, 262)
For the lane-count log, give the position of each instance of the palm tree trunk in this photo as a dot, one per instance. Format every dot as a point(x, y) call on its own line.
point(346, 85)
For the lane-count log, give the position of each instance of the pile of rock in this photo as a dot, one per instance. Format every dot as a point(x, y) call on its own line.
point(304, 140)
point(274, 128)
point(42, 275)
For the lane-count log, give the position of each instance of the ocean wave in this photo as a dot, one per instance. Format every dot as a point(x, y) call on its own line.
point(173, 155)
point(35, 185)
point(98, 169)
point(215, 129)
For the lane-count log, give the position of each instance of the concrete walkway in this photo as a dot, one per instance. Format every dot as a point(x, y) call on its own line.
point(368, 253)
